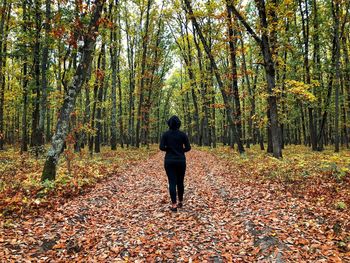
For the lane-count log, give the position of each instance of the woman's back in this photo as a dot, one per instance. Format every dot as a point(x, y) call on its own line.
point(175, 143)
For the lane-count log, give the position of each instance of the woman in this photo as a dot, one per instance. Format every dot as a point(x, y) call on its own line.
point(175, 143)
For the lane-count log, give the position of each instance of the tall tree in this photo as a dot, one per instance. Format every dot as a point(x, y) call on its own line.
point(53, 154)
point(336, 26)
point(270, 71)
point(3, 40)
point(100, 87)
point(304, 12)
point(233, 50)
point(115, 54)
point(225, 97)
point(24, 138)
point(36, 136)
point(145, 40)
point(131, 44)
point(44, 71)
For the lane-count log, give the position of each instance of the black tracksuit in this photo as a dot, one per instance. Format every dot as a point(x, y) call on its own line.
point(175, 143)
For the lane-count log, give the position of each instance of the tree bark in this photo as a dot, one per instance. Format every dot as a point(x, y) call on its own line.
point(119, 82)
point(152, 78)
point(101, 86)
point(3, 35)
point(250, 136)
point(336, 14)
point(140, 113)
point(305, 30)
point(346, 78)
point(270, 76)
point(321, 136)
point(24, 139)
point(44, 69)
point(49, 171)
point(114, 57)
point(193, 83)
point(234, 84)
point(36, 139)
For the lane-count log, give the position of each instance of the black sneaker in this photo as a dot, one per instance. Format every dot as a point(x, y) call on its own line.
point(179, 205)
point(173, 209)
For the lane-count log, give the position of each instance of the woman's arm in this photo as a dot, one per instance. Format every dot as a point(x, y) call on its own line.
point(162, 145)
point(187, 144)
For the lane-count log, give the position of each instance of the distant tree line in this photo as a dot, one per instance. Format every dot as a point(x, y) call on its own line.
point(110, 72)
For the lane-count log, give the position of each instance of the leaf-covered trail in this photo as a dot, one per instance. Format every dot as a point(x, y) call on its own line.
point(225, 219)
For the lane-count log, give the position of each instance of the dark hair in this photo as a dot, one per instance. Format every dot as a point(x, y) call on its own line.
point(174, 123)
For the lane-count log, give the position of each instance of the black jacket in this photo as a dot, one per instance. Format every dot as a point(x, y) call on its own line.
point(174, 142)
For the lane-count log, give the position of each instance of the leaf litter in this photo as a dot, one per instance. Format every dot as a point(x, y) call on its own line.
point(227, 217)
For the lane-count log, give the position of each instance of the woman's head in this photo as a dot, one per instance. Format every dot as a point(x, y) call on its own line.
point(174, 123)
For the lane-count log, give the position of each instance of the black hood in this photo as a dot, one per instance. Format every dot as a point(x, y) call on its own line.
point(174, 123)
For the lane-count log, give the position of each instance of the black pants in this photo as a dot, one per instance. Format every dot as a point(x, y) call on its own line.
point(175, 171)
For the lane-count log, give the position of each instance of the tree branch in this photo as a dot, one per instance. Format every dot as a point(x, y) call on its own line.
point(244, 22)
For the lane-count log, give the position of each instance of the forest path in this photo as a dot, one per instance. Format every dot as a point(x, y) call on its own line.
point(127, 217)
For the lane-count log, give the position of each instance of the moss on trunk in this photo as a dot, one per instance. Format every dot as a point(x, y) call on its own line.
point(49, 172)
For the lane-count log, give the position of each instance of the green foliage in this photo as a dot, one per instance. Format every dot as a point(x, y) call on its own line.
point(48, 184)
point(340, 205)
point(338, 171)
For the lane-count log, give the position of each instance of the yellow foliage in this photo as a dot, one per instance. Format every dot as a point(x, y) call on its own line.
point(21, 174)
point(300, 90)
point(298, 162)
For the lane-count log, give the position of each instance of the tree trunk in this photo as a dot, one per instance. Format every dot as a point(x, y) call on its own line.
point(305, 30)
point(100, 84)
point(213, 119)
point(251, 97)
point(119, 82)
point(130, 43)
point(84, 138)
point(344, 127)
point(346, 79)
point(152, 78)
point(3, 35)
point(270, 77)
point(36, 139)
point(114, 58)
point(215, 68)
point(44, 69)
point(269, 66)
point(24, 139)
point(188, 61)
point(336, 13)
point(189, 118)
point(49, 171)
point(140, 113)
point(234, 85)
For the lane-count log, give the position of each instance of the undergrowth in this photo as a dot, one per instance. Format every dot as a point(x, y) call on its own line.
point(21, 188)
point(323, 177)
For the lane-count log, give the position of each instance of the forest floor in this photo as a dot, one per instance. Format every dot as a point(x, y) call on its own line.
point(234, 211)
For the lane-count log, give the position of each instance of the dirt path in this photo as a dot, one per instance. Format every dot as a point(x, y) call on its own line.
point(224, 219)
